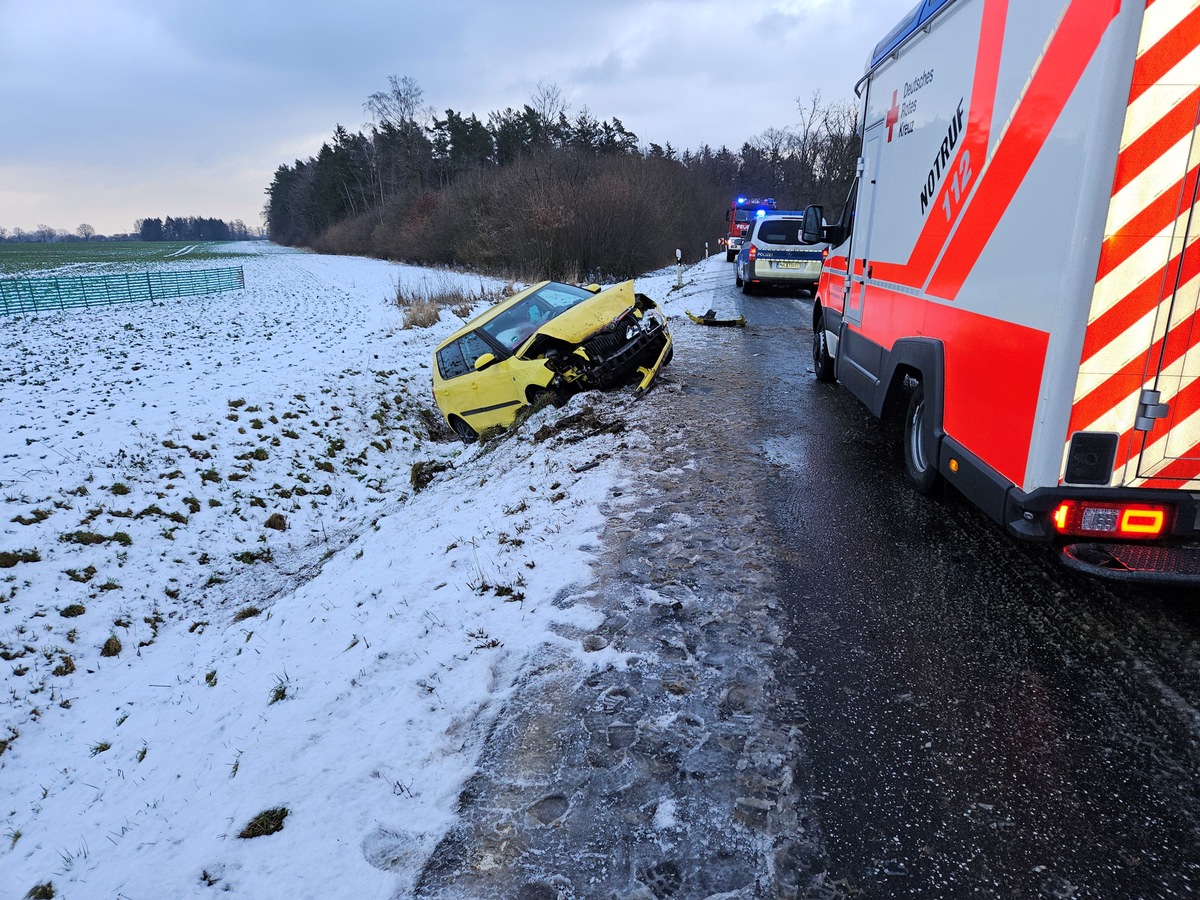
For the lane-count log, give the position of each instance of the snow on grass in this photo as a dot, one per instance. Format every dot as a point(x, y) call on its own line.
point(225, 598)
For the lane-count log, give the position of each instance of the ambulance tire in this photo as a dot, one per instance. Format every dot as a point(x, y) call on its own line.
point(922, 471)
point(822, 361)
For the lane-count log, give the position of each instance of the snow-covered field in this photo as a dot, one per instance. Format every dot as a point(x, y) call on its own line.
point(223, 595)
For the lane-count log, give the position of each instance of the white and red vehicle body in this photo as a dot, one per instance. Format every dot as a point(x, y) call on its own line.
point(739, 217)
point(1019, 256)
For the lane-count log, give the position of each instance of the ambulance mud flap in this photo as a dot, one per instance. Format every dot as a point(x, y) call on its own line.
point(1135, 562)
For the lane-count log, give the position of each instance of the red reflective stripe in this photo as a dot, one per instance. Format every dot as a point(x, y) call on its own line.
point(1129, 378)
point(1172, 128)
point(978, 130)
point(1118, 319)
point(1069, 52)
point(1151, 221)
point(1180, 472)
point(1131, 441)
point(978, 394)
point(1158, 60)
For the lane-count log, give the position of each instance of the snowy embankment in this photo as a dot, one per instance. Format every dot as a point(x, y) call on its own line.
point(222, 594)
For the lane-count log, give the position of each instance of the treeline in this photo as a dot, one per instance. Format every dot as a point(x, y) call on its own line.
point(536, 192)
point(191, 228)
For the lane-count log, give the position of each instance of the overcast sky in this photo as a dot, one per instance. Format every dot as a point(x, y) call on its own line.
point(123, 109)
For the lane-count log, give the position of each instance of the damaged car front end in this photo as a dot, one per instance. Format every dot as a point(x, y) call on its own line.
point(551, 338)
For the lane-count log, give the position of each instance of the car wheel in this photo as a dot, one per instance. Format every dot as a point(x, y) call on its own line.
point(746, 288)
point(737, 277)
point(670, 356)
point(922, 471)
point(822, 361)
point(465, 432)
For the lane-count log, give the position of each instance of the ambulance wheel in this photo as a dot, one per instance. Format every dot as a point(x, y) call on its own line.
point(822, 361)
point(465, 432)
point(922, 470)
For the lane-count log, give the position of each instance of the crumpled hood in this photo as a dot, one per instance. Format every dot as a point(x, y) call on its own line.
point(591, 315)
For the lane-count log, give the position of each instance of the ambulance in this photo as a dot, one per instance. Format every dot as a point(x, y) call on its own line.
point(1016, 273)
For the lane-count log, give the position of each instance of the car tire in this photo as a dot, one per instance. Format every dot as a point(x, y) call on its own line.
point(465, 432)
point(737, 277)
point(822, 361)
point(746, 288)
point(922, 470)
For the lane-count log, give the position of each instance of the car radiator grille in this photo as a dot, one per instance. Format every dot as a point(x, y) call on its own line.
point(614, 358)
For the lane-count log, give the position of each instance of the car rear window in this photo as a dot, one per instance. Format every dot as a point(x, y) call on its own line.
point(779, 231)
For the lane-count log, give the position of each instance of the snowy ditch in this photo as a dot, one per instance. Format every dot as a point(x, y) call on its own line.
point(224, 596)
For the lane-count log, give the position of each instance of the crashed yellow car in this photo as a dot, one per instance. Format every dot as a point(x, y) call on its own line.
point(552, 339)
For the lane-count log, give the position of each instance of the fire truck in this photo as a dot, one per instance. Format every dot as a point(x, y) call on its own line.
point(738, 217)
point(1016, 273)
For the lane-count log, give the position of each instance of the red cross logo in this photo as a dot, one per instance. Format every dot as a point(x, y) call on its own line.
point(893, 115)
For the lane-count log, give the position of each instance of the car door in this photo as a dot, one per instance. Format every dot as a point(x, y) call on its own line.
point(481, 397)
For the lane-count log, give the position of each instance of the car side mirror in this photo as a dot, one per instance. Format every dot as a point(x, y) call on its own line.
point(594, 288)
point(812, 231)
point(484, 361)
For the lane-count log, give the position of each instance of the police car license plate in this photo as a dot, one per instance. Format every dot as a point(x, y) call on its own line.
point(787, 265)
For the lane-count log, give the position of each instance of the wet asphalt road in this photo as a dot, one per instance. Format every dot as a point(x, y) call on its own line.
point(982, 722)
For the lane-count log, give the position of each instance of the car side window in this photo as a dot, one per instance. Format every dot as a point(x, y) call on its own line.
point(473, 347)
point(458, 358)
point(450, 361)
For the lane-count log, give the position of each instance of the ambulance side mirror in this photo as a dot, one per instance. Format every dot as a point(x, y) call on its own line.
point(813, 231)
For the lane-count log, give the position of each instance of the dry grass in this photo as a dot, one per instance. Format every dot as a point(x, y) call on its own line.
point(422, 304)
point(266, 822)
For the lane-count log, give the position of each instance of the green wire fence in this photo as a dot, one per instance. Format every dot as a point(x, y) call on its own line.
point(19, 295)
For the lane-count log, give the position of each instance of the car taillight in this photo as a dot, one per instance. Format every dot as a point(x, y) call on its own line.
point(1119, 520)
point(753, 253)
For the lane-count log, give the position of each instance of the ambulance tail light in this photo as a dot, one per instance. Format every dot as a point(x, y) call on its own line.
point(1131, 521)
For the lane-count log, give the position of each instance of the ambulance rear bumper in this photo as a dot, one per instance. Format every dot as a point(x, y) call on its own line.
point(1150, 563)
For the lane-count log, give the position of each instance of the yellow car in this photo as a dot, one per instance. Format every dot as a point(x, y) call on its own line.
point(550, 338)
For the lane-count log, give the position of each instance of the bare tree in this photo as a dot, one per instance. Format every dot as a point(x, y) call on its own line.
point(547, 101)
point(85, 231)
point(399, 105)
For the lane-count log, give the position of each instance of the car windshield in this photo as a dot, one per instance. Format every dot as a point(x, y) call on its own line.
point(514, 326)
point(779, 231)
